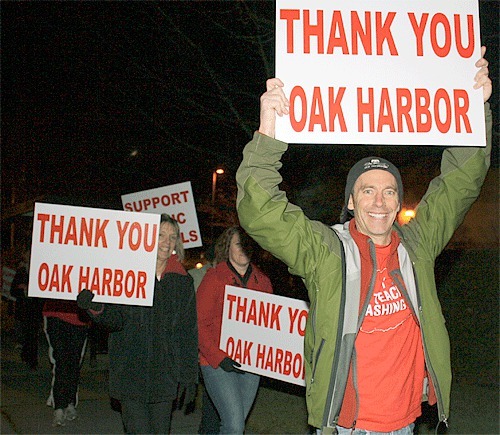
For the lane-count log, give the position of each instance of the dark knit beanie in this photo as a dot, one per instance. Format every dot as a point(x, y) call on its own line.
point(364, 165)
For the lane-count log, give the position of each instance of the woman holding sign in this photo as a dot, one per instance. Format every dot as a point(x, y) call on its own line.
point(153, 350)
point(231, 389)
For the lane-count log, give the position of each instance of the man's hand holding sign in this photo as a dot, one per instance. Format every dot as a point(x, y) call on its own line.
point(481, 79)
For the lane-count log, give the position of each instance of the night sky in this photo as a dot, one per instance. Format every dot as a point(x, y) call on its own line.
point(85, 84)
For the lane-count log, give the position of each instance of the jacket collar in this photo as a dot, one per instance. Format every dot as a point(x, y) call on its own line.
point(174, 266)
point(363, 240)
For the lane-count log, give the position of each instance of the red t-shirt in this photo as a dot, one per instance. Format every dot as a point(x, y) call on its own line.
point(390, 359)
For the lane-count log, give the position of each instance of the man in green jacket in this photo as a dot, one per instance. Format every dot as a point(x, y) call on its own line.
point(376, 345)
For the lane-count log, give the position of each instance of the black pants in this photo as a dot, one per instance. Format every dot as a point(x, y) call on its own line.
point(146, 418)
point(210, 421)
point(66, 351)
point(29, 315)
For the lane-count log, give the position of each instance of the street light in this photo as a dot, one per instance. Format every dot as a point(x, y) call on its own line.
point(218, 171)
point(406, 215)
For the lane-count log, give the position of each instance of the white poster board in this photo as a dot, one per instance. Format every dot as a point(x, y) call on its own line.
point(265, 333)
point(110, 252)
point(380, 72)
point(177, 201)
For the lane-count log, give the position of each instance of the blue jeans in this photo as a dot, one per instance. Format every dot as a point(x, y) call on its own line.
point(407, 430)
point(233, 395)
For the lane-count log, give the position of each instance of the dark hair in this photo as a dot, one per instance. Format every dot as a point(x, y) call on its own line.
point(224, 242)
point(179, 248)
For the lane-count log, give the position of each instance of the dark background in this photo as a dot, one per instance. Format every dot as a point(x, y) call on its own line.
point(100, 99)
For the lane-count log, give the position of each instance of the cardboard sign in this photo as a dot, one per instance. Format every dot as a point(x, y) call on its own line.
point(380, 72)
point(110, 252)
point(265, 333)
point(177, 201)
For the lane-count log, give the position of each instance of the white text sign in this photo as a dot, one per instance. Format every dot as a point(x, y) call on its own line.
point(265, 333)
point(380, 72)
point(110, 252)
point(175, 200)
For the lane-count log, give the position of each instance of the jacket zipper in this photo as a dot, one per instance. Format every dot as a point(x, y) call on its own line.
point(360, 321)
point(312, 314)
point(338, 342)
point(442, 416)
point(373, 257)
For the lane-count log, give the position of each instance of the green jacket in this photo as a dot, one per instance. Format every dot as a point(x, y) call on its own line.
point(313, 251)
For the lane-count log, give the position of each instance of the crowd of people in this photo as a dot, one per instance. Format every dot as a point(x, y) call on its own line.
point(371, 289)
point(158, 355)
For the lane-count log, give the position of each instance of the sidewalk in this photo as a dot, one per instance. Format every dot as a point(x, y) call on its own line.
point(474, 404)
point(24, 392)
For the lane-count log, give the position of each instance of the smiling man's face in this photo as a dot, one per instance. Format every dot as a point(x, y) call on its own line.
point(375, 202)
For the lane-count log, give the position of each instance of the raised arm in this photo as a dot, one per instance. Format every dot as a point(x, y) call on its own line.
point(272, 102)
point(463, 171)
point(264, 210)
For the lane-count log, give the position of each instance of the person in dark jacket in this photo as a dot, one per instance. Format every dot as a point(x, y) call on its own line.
point(66, 328)
point(153, 350)
point(28, 312)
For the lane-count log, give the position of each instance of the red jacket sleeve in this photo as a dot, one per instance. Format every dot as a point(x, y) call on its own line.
point(210, 304)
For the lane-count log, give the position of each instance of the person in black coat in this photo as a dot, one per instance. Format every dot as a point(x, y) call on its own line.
point(153, 350)
point(28, 312)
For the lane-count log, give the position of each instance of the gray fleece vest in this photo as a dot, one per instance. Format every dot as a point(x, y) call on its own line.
point(352, 317)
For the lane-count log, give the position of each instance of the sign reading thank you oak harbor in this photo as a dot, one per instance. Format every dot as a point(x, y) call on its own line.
point(394, 72)
point(109, 252)
point(265, 333)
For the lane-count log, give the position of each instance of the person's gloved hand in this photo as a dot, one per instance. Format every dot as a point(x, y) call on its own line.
point(229, 365)
point(84, 301)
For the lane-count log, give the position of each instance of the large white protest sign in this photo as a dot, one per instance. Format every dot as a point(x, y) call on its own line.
point(177, 201)
point(265, 333)
point(380, 72)
point(110, 252)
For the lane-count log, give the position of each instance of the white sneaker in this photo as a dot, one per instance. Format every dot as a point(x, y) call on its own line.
point(59, 418)
point(70, 412)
